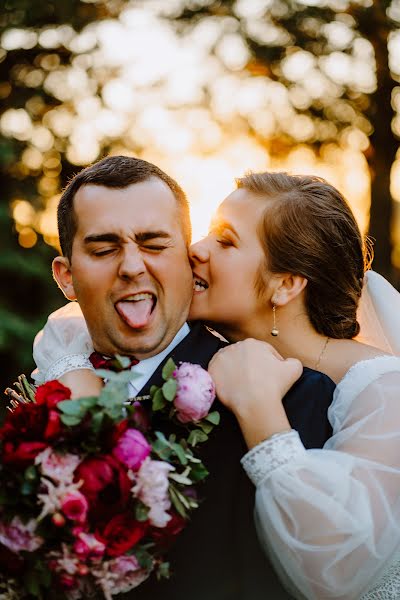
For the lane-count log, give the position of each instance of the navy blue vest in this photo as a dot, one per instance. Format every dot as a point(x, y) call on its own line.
point(218, 556)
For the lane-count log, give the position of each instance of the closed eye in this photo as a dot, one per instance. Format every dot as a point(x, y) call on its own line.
point(224, 242)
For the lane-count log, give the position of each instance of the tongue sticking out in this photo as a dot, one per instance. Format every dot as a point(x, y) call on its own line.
point(135, 313)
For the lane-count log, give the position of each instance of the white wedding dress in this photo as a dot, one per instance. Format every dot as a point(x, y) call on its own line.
point(329, 519)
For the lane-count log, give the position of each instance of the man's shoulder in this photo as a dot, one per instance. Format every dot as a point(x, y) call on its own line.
point(312, 378)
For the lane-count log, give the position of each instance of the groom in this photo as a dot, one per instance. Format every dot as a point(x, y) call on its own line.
point(124, 231)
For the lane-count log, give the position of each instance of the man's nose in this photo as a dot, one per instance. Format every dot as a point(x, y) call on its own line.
point(131, 264)
point(199, 252)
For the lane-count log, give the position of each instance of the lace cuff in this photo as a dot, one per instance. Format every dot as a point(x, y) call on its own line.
point(65, 364)
point(271, 454)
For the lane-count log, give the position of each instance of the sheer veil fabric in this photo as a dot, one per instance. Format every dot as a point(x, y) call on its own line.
point(379, 314)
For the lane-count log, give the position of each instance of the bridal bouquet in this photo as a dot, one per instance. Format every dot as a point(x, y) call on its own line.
point(92, 493)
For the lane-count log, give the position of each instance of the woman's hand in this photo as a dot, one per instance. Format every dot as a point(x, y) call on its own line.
point(251, 379)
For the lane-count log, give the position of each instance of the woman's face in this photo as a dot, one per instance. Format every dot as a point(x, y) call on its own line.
point(225, 268)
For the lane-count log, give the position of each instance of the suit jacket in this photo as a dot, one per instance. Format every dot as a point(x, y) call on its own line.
point(217, 556)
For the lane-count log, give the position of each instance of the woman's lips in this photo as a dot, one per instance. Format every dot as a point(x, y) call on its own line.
point(199, 284)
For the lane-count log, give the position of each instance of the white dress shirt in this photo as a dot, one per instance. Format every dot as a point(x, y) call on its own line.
point(146, 367)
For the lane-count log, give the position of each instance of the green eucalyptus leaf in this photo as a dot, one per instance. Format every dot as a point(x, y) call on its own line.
point(213, 417)
point(71, 407)
point(153, 390)
point(169, 389)
point(176, 501)
point(206, 427)
point(97, 421)
point(198, 472)
point(158, 401)
point(88, 402)
point(197, 436)
point(168, 369)
point(163, 571)
point(70, 420)
point(141, 511)
point(180, 453)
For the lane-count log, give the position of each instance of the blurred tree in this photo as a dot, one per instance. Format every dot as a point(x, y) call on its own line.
point(332, 61)
point(34, 35)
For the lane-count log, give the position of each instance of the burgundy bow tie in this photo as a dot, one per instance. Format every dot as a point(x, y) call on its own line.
point(99, 361)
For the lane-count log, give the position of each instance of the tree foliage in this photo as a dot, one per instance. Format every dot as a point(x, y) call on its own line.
point(333, 63)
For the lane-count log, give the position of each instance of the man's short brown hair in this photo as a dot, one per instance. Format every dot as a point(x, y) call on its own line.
point(116, 172)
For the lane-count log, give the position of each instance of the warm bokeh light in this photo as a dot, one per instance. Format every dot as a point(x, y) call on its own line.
point(135, 86)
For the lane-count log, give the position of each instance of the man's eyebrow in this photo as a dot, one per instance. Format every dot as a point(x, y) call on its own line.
point(102, 237)
point(140, 237)
point(144, 236)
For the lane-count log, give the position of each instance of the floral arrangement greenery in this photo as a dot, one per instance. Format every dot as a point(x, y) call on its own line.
point(92, 490)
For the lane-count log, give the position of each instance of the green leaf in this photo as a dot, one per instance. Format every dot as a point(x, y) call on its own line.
point(177, 502)
point(70, 420)
point(88, 402)
point(158, 400)
point(26, 488)
point(163, 571)
point(213, 417)
point(31, 583)
point(206, 427)
point(180, 453)
point(123, 361)
point(71, 407)
point(31, 474)
point(180, 479)
point(153, 390)
point(169, 389)
point(197, 436)
point(141, 511)
point(168, 369)
point(198, 472)
point(97, 421)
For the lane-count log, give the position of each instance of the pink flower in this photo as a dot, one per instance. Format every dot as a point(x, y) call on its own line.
point(59, 467)
point(123, 565)
point(195, 393)
point(86, 544)
point(152, 489)
point(131, 449)
point(17, 536)
point(75, 506)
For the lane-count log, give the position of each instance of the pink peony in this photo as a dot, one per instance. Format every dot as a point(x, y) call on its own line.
point(195, 393)
point(131, 449)
point(59, 467)
point(17, 536)
point(152, 489)
point(86, 544)
point(75, 506)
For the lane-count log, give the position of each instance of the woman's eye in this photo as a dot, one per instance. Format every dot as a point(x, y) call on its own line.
point(224, 242)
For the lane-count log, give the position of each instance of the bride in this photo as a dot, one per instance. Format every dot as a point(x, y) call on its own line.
point(329, 519)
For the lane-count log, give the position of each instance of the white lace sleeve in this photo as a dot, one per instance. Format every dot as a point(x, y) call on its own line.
point(330, 518)
point(63, 345)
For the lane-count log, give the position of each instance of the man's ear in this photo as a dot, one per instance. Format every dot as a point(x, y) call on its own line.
point(289, 287)
point(63, 276)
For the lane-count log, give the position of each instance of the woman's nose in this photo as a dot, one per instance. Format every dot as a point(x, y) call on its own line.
point(199, 251)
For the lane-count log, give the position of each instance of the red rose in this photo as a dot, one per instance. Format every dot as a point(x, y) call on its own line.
point(121, 534)
point(51, 393)
point(28, 429)
point(165, 536)
point(106, 486)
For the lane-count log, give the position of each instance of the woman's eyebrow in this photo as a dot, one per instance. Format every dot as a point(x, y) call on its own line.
point(220, 226)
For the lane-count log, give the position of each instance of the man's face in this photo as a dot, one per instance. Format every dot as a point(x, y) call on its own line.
point(129, 269)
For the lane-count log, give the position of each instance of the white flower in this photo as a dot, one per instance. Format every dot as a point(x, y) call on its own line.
point(17, 535)
point(151, 487)
point(59, 467)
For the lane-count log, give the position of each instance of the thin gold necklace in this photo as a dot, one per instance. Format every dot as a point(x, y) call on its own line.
point(322, 353)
